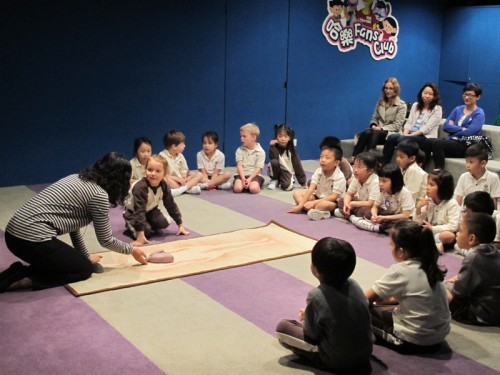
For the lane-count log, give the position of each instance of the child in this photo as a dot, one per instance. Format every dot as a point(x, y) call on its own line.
point(284, 164)
point(336, 331)
point(142, 215)
point(474, 294)
point(394, 203)
point(438, 211)
point(364, 189)
point(345, 166)
point(327, 185)
point(409, 303)
point(414, 177)
point(250, 159)
point(142, 152)
point(178, 175)
point(477, 176)
point(211, 162)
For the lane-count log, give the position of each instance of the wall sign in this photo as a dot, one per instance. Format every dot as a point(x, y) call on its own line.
point(368, 22)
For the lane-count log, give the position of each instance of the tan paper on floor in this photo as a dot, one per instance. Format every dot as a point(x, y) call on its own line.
point(197, 255)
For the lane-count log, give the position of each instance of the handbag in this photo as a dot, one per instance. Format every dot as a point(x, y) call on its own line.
point(469, 140)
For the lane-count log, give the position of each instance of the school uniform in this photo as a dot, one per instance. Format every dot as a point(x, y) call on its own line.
point(217, 161)
point(488, 182)
point(415, 180)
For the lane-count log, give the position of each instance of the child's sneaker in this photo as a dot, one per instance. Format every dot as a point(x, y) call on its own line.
point(225, 186)
point(195, 190)
point(338, 213)
point(178, 191)
point(365, 224)
point(272, 185)
point(318, 214)
point(203, 185)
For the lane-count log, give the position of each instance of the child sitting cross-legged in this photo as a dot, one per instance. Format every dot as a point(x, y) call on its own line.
point(327, 185)
point(438, 211)
point(474, 294)
point(394, 203)
point(335, 330)
point(178, 175)
point(409, 305)
point(363, 190)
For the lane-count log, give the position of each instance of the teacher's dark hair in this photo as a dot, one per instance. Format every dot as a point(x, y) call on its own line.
point(112, 172)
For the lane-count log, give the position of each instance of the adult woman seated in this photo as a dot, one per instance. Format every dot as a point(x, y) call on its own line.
point(423, 122)
point(64, 207)
point(388, 117)
point(464, 120)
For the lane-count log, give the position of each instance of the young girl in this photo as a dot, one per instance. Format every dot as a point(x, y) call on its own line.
point(142, 152)
point(438, 211)
point(211, 163)
point(284, 164)
point(409, 303)
point(394, 203)
point(335, 333)
point(364, 189)
point(142, 215)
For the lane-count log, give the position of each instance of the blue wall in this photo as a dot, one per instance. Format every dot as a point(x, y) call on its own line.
point(82, 78)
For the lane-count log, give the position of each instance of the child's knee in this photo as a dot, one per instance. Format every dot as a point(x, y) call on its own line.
point(254, 187)
point(446, 237)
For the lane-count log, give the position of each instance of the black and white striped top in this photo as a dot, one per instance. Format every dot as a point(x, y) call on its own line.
point(65, 207)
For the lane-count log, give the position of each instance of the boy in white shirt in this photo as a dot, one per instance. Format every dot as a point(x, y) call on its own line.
point(250, 159)
point(326, 187)
point(414, 177)
point(477, 177)
point(178, 174)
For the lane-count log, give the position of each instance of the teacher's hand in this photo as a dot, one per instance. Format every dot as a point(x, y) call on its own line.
point(139, 255)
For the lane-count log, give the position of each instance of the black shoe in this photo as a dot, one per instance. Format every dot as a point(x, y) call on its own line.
point(15, 272)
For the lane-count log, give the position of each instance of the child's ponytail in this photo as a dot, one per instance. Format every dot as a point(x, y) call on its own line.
point(418, 242)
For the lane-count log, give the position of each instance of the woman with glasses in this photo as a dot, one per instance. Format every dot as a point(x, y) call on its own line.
point(388, 117)
point(464, 120)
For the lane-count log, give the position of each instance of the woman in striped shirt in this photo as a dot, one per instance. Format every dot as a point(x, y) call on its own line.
point(64, 207)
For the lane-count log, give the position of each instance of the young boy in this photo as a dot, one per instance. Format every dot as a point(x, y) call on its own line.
point(477, 176)
point(480, 201)
point(211, 163)
point(327, 185)
point(336, 333)
point(414, 177)
point(178, 175)
point(250, 159)
point(474, 294)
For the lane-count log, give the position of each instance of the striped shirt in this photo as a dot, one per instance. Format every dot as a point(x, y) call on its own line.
point(65, 207)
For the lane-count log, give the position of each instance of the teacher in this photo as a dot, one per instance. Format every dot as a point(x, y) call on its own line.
point(65, 207)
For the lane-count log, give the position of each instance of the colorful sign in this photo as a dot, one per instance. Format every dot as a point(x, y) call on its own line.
point(368, 22)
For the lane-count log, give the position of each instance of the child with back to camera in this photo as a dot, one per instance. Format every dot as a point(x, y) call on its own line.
point(211, 163)
point(142, 215)
point(335, 333)
point(414, 177)
point(250, 159)
point(474, 294)
point(395, 202)
point(284, 164)
point(364, 189)
point(178, 175)
point(438, 211)
point(409, 305)
point(142, 152)
point(477, 176)
point(326, 187)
